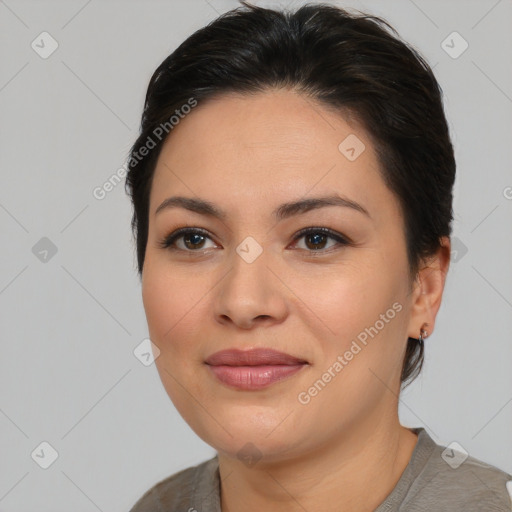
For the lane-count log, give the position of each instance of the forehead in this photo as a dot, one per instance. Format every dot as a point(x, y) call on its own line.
point(278, 144)
point(276, 121)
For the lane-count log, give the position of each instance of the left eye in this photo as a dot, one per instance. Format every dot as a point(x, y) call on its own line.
point(315, 238)
point(194, 239)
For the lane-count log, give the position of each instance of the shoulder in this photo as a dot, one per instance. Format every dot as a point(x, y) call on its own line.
point(457, 481)
point(188, 488)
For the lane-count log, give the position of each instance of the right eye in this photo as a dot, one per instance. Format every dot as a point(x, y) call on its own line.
point(192, 240)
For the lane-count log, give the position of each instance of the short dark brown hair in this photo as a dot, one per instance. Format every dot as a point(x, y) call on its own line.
point(353, 63)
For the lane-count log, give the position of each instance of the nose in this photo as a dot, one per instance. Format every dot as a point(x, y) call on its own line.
point(250, 294)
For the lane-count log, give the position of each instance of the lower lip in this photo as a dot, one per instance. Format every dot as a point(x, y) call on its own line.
point(254, 377)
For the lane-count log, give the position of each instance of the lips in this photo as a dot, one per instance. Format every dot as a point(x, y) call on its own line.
point(254, 357)
point(253, 369)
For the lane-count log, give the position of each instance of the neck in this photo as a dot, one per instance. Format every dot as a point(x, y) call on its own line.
point(356, 470)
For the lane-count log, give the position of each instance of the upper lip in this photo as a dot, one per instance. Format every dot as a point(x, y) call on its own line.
point(252, 357)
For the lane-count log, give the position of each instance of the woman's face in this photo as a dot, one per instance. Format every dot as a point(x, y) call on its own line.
point(248, 280)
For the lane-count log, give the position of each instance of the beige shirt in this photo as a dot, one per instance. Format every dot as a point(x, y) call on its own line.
point(436, 479)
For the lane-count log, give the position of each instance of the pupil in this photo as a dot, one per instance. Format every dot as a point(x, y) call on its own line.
point(317, 239)
point(195, 239)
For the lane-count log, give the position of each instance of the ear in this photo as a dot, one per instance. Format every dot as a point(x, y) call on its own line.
point(428, 290)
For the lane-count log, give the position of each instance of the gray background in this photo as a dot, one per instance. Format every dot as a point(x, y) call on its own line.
point(70, 321)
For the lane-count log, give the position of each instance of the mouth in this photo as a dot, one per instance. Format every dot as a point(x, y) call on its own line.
point(253, 369)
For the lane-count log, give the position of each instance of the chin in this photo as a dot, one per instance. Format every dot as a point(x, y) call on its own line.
point(254, 449)
point(251, 436)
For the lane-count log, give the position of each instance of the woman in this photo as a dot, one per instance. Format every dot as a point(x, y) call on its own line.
point(292, 192)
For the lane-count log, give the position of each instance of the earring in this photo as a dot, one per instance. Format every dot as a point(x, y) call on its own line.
point(423, 334)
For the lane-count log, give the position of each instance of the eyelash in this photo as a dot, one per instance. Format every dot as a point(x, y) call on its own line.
point(168, 241)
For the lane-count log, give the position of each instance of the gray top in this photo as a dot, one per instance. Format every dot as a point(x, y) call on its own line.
point(436, 479)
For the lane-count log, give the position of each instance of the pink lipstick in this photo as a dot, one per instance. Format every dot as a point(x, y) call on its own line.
point(253, 369)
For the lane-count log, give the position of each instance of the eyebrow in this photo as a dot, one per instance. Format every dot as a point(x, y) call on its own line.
point(282, 212)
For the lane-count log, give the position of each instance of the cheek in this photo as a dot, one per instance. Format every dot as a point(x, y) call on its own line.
point(172, 305)
point(159, 304)
point(343, 298)
point(357, 308)
point(175, 313)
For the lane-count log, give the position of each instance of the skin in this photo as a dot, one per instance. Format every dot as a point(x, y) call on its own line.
point(248, 155)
